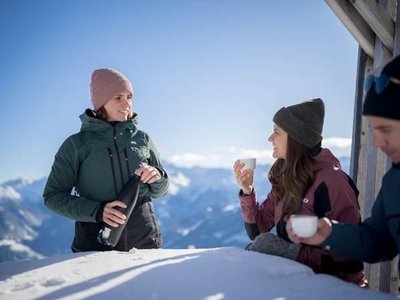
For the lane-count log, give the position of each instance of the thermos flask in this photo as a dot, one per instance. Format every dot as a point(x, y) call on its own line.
point(109, 235)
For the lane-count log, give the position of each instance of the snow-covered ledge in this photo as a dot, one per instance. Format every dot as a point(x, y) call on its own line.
point(212, 274)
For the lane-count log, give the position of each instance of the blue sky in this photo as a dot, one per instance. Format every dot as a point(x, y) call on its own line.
point(208, 75)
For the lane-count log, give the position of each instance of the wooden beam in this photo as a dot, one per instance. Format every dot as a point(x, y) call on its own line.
point(354, 23)
point(378, 20)
point(391, 8)
point(396, 50)
point(394, 11)
point(358, 104)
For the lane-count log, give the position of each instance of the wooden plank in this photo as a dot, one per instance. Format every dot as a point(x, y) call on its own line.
point(358, 102)
point(378, 20)
point(366, 161)
point(366, 185)
point(394, 10)
point(364, 140)
point(394, 277)
point(384, 276)
point(362, 170)
point(369, 178)
point(391, 9)
point(354, 23)
point(362, 136)
point(396, 50)
point(373, 276)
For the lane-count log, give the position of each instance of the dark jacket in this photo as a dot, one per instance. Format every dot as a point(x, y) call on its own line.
point(378, 237)
point(89, 170)
point(333, 195)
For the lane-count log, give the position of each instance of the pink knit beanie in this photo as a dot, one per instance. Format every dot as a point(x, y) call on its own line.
point(107, 83)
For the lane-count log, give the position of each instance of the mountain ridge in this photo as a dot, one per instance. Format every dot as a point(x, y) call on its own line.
point(201, 210)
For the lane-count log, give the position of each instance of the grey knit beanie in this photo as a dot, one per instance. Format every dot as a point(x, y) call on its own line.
point(303, 122)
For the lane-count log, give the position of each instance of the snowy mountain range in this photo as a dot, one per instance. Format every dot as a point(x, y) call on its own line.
point(201, 210)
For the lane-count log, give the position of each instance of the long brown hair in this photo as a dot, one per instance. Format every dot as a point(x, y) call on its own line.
point(291, 177)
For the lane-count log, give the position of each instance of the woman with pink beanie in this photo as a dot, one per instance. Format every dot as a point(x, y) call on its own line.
point(96, 162)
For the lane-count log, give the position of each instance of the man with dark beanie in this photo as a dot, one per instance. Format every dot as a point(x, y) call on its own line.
point(306, 179)
point(377, 239)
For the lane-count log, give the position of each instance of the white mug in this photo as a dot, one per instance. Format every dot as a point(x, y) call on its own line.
point(304, 225)
point(249, 163)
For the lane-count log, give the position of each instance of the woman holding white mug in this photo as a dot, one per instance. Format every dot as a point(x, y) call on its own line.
point(307, 180)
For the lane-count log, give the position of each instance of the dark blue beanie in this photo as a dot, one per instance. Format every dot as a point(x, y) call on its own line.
point(387, 103)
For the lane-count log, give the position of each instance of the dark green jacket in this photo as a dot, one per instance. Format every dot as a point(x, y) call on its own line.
point(94, 164)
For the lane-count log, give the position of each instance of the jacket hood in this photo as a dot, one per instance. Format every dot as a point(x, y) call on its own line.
point(326, 158)
point(91, 123)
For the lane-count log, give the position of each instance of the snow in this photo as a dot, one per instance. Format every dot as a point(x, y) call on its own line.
point(209, 274)
point(186, 231)
point(230, 207)
point(18, 247)
point(9, 193)
point(177, 180)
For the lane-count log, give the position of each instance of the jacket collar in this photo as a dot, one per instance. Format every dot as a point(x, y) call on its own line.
point(326, 158)
point(396, 166)
point(90, 122)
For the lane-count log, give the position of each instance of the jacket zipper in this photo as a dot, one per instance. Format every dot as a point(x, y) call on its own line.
point(122, 178)
point(127, 162)
point(118, 156)
point(110, 155)
point(129, 174)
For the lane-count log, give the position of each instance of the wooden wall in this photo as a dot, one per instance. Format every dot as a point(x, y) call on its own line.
point(374, 25)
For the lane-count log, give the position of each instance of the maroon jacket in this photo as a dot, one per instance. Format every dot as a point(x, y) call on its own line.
point(332, 195)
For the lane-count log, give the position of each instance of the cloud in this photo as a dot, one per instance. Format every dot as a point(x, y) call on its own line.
point(189, 159)
point(339, 146)
point(262, 155)
point(258, 153)
point(337, 142)
point(226, 157)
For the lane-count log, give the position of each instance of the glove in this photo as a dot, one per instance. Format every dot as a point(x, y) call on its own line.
point(271, 244)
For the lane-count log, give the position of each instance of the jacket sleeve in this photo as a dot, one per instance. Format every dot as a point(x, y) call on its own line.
point(253, 214)
point(370, 242)
point(60, 183)
point(160, 187)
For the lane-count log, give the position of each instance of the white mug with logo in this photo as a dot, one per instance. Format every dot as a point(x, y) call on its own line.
point(249, 163)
